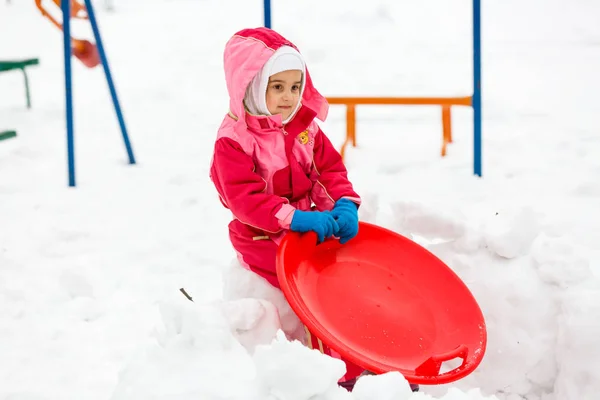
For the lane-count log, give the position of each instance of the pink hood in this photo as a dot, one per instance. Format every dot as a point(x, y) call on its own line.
point(245, 55)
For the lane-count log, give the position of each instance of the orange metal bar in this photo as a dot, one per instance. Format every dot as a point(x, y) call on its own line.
point(446, 128)
point(350, 128)
point(445, 102)
point(439, 101)
point(351, 123)
point(46, 14)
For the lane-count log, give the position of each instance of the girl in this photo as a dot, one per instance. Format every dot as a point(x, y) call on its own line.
point(271, 160)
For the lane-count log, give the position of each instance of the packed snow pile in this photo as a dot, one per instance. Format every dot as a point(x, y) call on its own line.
point(537, 293)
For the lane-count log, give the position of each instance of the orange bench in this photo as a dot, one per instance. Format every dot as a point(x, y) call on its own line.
point(446, 104)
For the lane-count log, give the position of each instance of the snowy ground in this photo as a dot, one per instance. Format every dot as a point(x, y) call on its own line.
point(89, 277)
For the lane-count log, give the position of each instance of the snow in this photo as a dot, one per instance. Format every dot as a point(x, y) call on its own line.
point(90, 277)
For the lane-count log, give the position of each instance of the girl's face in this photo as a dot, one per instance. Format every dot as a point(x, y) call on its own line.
point(283, 92)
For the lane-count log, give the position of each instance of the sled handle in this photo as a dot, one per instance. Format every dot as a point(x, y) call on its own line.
point(432, 366)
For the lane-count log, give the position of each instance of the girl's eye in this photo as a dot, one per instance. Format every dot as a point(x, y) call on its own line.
point(277, 87)
point(295, 88)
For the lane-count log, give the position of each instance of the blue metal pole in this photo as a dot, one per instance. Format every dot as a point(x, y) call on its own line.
point(477, 115)
point(109, 79)
point(66, 10)
point(268, 14)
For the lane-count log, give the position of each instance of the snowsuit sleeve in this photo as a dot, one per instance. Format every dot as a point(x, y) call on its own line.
point(332, 182)
point(244, 191)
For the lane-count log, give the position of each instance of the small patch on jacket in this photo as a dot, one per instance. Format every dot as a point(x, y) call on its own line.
point(303, 137)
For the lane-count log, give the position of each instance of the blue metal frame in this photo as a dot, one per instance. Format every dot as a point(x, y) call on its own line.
point(109, 79)
point(267, 8)
point(477, 115)
point(66, 10)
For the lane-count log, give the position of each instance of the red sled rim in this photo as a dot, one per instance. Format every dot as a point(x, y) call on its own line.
point(384, 303)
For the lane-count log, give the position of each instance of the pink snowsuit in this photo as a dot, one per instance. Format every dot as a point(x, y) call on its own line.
point(264, 170)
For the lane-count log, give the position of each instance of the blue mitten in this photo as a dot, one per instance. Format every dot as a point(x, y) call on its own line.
point(345, 213)
point(321, 222)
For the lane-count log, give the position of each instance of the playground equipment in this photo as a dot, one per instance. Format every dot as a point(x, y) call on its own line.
point(384, 303)
point(84, 50)
point(7, 134)
point(11, 65)
point(446, 103)
point(90, 55)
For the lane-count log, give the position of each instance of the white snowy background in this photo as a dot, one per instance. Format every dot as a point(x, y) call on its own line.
point(90, 306)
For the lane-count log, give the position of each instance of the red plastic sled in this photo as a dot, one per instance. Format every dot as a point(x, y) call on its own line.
point(383, 302)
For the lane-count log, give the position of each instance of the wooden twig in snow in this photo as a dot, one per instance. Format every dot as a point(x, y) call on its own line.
point(182, 290)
